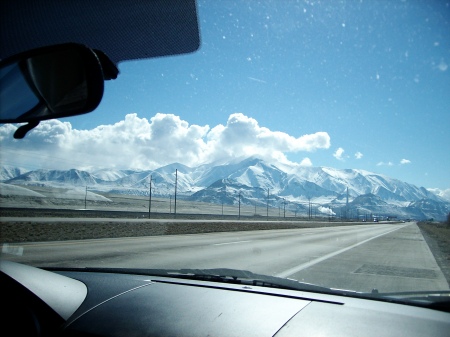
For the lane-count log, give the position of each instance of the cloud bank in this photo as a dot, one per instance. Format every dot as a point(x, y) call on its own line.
point(140, 143)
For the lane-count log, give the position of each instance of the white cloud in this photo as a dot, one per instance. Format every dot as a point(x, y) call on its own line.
point(306, 162)
point(143, 144)
point(389, 163)
point(442, 193)
point(381, 163)
point(242, 136)
point(358, 155)
point(338, 154)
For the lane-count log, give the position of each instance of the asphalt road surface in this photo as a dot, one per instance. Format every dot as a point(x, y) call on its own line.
point(386, 257)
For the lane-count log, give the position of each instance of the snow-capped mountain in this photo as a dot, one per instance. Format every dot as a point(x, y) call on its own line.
point(71, 177)
point(8, 172)
point(252, 180)
point(111, 174)
point(229, 191)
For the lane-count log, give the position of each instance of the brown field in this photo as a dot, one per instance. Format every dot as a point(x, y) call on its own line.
point(437, 235)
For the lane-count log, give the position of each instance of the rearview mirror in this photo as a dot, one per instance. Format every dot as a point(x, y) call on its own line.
point(51, 82)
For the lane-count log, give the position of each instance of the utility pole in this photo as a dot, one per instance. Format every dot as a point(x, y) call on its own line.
point(346, 207)
point(255, 208)
point(85, 198)
point(284, 208)
point(170, 203)
point(224, 191)
point(309, 208)
point(176, 183)
point(268, 203)
point(239, 217)
point(150, 198)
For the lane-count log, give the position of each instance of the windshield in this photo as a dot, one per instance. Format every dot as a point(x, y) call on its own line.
point(304, 140)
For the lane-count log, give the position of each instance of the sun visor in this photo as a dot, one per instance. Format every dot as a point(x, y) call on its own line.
point(122, 29)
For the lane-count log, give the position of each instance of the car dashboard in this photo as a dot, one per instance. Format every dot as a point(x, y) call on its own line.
point(80, 303)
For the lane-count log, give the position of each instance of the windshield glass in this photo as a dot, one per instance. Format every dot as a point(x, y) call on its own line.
point(304, 139)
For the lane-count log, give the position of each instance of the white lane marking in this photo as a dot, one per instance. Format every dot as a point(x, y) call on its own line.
point(230, 243)
point(302, 266)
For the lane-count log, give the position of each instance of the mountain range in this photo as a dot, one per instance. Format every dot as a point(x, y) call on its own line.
point(348, 192)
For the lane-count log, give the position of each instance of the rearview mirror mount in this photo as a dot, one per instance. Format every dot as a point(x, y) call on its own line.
point(51, 82)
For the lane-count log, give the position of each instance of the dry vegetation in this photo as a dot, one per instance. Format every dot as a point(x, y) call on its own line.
point(31, 231)
point(437, 235)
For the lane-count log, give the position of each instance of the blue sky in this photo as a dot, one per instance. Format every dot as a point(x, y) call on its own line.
point(374, 77)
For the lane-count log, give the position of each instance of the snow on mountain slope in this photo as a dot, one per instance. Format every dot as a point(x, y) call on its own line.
point(296, 188)
point(427, 208)
point(258, 174)
point(184, 177)
point(212, 173)
point(78, 194)
point(444, 194)
point(170, 169)
point(304, 182)
point(8, 190)
point(230, 191)
point(253, 178)
point(163, 181)
point(13, 190)
point(57, 177)
point(135, 179)
point(9, 172)
point(111, 174)
point(370, 204)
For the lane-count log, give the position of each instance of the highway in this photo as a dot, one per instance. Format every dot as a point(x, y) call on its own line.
point(388, 257)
